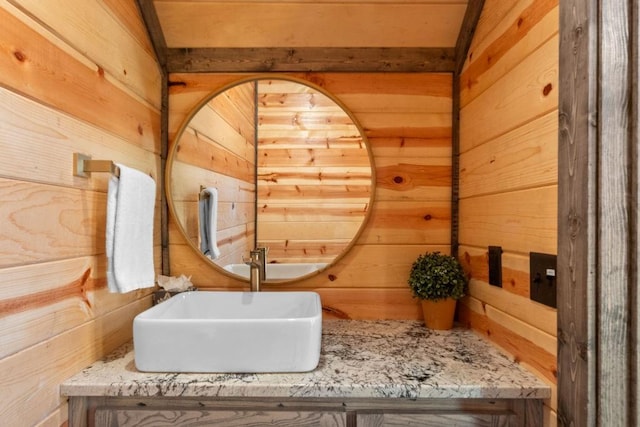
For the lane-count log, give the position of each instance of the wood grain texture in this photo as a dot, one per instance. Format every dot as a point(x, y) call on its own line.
point(577, 232)
point(153, 417)
point(311, 59)
point(513, 343)
point(522, 29)
point(527, 92)
point(508, 175)
point(322, 24)
point(465, 35)
point(617, 247)
point(520, 221)
point(38, 144)
point(34, 375)
point(65, 88)
point(34, 66)
point(524, 158)
point(435, 420)
point(120, 55)
point(515, 268)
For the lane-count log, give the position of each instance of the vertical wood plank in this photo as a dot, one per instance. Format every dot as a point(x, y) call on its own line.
point(635, 197)
point(576, 213)
point(613, 280)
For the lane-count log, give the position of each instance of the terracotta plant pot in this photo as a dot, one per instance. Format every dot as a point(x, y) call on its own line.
point(439, 314)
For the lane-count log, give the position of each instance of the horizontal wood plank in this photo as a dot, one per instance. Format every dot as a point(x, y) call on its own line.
point(43, 223)
point(529, 29)
point(408, 223)
point(28, 70)
point(527, 92)
point(519, 347)
point(537, 315)
point(326, 24)
point(33, 376)
point(120, 56)
point(523, 158)
point(515, 268)
point(33, 131)
point(301, 59)
point(522, 221)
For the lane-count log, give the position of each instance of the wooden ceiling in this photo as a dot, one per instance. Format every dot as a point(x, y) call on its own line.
point(310, 35)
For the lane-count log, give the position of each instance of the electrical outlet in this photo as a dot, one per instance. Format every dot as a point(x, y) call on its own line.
point(495, 266)
point(543, 281)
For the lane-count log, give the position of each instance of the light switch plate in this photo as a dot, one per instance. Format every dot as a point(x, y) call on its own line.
point(543, 281)
point(495, 266)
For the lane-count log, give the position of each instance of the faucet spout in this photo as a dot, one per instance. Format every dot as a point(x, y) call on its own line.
point(263, 251)
point(255, 268)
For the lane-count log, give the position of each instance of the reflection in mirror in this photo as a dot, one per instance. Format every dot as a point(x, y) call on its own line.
point(270, 163)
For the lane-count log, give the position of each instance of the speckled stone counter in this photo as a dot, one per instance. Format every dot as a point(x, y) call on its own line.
point(359, 359)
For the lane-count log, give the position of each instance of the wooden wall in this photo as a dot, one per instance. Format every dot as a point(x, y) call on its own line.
point(65, 88)
point(314, 174)
point(508, 174)
point(407, 119)
point(217, 149)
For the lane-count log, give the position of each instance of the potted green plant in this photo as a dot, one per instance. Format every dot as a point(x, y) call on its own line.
point(438, 280)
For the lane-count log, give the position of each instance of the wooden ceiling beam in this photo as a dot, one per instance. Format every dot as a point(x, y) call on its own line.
point(468, 27)
point(151, 21)
point(313, 59)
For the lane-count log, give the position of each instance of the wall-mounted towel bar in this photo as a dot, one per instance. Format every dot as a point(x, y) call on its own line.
point(201, 195)
point(83, 166)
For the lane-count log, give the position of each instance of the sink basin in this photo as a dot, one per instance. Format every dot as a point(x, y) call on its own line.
point(230, 332)
point(279, 271)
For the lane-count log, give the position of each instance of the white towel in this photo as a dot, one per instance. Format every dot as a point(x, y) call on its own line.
point(129, 234)
point(208, 213)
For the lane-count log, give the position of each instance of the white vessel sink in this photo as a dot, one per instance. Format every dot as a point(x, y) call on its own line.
point(279, 271)
point(230, 332)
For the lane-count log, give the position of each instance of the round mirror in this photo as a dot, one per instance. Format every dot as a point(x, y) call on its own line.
point(274, 163)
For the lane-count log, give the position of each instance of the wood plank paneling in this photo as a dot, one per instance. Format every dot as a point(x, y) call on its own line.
point(37, 68)
point(65, 88)
point(508, 175)
point(31, 131)
point(84, 25)
point(510, 341)
point(527, 92)
point(520, 221)
point(32, 377)
point(526, 27)
point(322, 23)
point(523, 158)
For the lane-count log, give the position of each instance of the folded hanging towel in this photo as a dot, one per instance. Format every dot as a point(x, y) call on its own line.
point(208, 218)
point(129, 234)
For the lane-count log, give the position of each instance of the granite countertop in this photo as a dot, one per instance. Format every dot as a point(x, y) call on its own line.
point(359, 359)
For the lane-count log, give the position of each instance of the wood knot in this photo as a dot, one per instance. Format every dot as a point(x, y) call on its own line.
point(332, 277)
point(547, 89)
point(20, 56)
point(427, 217)
point(520, 22)
point(398, 179)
